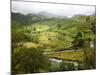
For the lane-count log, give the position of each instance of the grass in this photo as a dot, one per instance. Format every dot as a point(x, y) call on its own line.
point(30, 45)
point(72, 56)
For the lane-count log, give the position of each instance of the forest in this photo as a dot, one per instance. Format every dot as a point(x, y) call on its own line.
point(51, 44)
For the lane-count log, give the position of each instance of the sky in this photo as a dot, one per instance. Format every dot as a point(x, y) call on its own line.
point(57, 9)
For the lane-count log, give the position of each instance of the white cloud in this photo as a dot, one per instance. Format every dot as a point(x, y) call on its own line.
point(59, 9)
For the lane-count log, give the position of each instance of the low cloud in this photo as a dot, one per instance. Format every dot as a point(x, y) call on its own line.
point(58, 9)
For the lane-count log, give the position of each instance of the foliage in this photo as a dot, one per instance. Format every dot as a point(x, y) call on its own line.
point(34, 35)
point(66, 66)
point(29, 60)
point(18, 36)
point(78, 41)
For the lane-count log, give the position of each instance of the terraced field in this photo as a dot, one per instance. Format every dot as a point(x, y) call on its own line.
point(69, 56)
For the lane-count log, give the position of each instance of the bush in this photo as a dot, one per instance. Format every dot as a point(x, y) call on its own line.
point(66, 66)
point(30, 60)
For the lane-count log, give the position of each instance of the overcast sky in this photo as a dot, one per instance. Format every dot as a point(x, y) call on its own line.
point(58, 9)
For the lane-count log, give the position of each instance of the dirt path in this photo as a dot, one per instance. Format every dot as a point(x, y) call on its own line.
point(60, 51)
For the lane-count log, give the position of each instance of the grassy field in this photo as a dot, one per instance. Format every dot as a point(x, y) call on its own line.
point(77, 55)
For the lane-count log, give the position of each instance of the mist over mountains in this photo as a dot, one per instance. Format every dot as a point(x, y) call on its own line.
point(45, 14)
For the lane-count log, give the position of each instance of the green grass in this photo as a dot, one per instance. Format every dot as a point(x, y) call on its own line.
point(77, 55)
point(69, 56)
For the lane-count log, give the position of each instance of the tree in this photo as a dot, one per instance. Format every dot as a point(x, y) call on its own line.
point(17, 37)
point(78, 41)
point(93, 26)
point(92, 23)
point(29, 60)
point(59, 26)
point(66, 66)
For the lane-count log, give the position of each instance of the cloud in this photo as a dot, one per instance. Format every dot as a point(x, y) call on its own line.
point(58, 9)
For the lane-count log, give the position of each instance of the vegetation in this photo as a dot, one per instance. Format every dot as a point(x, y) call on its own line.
point(36, 38)
point(70, 56)
point(29, 60)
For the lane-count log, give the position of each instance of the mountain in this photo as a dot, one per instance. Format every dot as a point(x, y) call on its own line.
point(22, 19)
point(29, 19)
point(50, 15)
